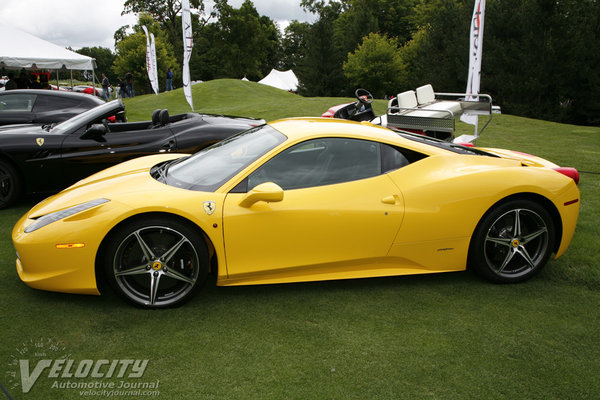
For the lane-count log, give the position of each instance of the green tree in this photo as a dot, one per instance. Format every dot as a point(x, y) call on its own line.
point(361, 17)
point(104, 60)
point(547, 69)
point(163, 11)
point(438, 52)
point(273, 49)
point(131, 55)
point(293, 44)
point(410, 57)
point(375, 65)
point(540, 57)
point(167, 13)
point(320, 70)
point(240, 42)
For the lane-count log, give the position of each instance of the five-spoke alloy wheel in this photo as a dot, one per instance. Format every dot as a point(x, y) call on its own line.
point(513, 241)
point(156, 262)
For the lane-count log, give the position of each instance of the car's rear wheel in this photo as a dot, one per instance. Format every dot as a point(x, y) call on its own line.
point(513, 241)
point(10, 184)
point(156, 262)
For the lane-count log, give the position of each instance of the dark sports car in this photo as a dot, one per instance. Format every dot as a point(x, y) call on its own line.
point(42, 106)
point(47, 158)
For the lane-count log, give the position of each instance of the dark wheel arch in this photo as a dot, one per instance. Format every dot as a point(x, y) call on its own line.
point(102, 280)
point(537, 198)
point(19, 183)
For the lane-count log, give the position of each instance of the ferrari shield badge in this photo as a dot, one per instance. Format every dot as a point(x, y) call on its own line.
point(39, 141)
point(209, 206)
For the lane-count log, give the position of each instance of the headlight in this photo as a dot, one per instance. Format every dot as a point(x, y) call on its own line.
point(58, 215)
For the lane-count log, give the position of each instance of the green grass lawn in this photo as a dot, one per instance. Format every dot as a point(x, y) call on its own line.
point(446, 336)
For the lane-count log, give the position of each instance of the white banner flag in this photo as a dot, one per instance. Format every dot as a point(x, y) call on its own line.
point(475, 55)
point(154, 79)
point(188, 42)
point(151, 61)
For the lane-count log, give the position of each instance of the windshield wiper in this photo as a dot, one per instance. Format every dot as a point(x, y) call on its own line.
point(48, 127)
point(161, 171)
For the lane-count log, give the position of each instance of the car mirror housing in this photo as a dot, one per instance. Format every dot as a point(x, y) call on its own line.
point(121, 116)
point(95, 131)
point(268, 191)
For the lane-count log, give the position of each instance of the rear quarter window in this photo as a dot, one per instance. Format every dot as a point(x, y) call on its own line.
point(17, 102)
point(48, 103)
point(393, 157)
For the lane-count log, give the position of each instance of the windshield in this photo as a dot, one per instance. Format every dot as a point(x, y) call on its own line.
point(210, 168)
point(85, 117)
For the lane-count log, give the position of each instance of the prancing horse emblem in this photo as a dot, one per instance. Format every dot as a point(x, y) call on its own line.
point(209, 206)
point(39, 141)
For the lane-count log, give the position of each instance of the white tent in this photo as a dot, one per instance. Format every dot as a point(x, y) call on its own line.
point(19, 49)
point(285, 80)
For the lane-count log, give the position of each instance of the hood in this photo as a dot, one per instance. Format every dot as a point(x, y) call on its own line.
point(20, 129)
point(216, 119)
point(128, 180)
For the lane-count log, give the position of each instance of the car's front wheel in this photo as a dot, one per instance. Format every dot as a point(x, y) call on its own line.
point(10, 184)
point(512, 242)
point(156, 262)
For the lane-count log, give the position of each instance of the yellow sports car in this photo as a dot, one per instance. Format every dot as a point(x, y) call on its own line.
point(299, 200)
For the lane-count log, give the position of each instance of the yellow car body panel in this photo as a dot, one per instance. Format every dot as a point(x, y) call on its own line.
point(309, 227)
point(41, 265)
point(416, 219)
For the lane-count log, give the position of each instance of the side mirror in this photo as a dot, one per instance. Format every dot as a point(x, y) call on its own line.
point(268, 191)
point(121, 117)
point(96, 131)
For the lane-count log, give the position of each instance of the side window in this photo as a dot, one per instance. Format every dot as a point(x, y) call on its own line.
point(48, 103)
point(17, 102)
point(394, 158)
point(318, 162)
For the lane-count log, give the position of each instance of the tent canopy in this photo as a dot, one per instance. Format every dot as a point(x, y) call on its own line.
point(19, 49)
point(285, 80)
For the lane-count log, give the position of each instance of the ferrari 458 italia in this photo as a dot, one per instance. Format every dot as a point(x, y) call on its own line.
point(299, 200)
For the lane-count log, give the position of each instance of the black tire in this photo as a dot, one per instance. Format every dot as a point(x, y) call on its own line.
point(156, 262)
point(10, 185)
point(512, 242)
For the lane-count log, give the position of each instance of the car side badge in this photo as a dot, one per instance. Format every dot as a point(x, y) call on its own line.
point(209, 206)
point(39, 141)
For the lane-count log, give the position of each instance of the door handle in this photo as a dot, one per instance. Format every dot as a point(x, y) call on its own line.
point(169, 146)
point(393, 200)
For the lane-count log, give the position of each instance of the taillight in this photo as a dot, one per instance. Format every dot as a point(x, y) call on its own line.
point(467, 144)
point(570, 172)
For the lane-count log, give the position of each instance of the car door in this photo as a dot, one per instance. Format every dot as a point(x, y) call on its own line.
point(338, 206)
point(17, 108)
point(37, 152)
point(83, 156)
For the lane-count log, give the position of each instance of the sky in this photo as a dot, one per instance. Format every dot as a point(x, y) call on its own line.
point(89, 23)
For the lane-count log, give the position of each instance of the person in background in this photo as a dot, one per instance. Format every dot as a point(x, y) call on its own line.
point(129, 80)
point(44, 84)
point(11, 84)
point(123, 88)
point(105, 85)
point(23, 81)
point(35, 83)
point(169, 80)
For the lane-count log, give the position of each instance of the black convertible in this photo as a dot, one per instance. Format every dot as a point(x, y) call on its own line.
point(47, 158)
